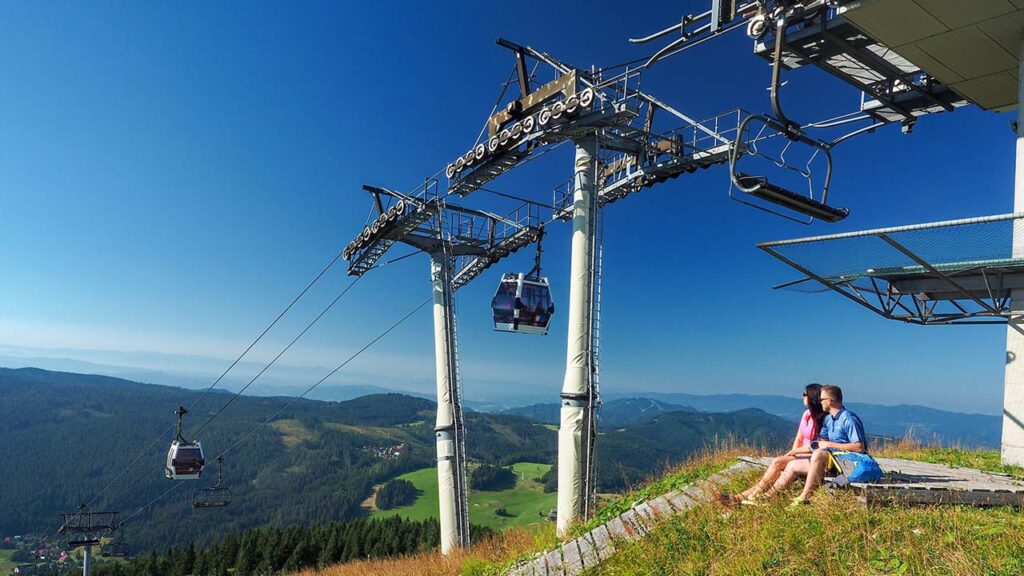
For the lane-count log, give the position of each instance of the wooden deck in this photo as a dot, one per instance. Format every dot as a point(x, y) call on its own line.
point(912, 482)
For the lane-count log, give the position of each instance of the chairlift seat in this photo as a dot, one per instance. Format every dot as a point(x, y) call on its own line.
point(212, 497)
point(185, 460)
point(522, 305)
point(769, 192)
point(114, 550)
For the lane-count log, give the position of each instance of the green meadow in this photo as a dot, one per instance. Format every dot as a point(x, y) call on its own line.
point(523, 505)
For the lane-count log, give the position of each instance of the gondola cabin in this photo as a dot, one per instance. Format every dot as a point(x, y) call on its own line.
point(185, 460)
point(522, 305)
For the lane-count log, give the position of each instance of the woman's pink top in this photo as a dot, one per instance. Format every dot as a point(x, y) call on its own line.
point(806, 429)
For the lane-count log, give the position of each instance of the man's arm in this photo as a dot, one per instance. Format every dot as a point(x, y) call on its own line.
point(843, 446)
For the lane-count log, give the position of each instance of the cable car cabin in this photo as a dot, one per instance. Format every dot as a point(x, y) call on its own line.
point(185, 460)
point(522, 305)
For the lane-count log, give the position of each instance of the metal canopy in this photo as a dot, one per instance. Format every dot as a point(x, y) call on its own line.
point(953, 272)
point(973, 47)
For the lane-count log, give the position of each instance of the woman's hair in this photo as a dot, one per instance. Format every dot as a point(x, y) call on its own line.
point(813, 392)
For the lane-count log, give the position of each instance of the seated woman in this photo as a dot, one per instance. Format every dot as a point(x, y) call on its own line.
point(810, 426)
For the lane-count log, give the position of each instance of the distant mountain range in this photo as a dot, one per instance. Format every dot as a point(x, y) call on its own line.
point(928, 425)
point(614, 413)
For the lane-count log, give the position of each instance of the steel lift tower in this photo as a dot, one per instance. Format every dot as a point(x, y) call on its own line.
point(461, 243)
point(610, 123)
point(85, 528)
point(908, 59)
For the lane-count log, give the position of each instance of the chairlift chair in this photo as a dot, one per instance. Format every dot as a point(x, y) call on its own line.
point(83, 540)
point(115, 548)
point(185, 459)
point(216, 496)
point(760, 186)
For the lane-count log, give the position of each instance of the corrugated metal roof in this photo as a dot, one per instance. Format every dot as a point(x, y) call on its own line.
point(972, 47)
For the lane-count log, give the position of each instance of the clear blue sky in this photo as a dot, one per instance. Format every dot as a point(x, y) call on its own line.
point(172, 174)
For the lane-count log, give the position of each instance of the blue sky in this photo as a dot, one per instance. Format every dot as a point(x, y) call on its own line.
point(171, 175)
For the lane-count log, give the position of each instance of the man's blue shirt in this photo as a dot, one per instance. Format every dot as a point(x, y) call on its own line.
point(843, 428)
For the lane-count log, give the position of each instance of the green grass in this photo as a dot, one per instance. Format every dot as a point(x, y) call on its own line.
point(677, 480)
point(5, 562)
point(834, 536)
point(525, 503)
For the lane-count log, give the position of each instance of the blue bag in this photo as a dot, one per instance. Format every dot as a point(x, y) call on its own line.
point(865, 468)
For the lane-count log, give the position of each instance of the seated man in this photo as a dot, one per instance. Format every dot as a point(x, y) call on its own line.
point(841, 430)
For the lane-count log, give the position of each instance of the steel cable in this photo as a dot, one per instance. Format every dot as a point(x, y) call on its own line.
point(279, 354)
point(289, 404)
point(164, 432)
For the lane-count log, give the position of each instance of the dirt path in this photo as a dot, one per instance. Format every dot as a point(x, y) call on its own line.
point(371, 502)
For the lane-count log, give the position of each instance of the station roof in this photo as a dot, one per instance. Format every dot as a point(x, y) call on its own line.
point(955, 271)
point(972, 46)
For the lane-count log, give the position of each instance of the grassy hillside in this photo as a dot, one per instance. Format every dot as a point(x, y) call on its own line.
point(66, 436)
point(6, 566)
point(524, 505)
point(834, 536)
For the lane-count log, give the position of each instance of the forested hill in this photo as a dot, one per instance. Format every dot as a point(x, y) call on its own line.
point(66, 436)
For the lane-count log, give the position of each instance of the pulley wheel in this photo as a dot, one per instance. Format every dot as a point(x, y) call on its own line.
point(544, 117)
point(587, 98)
point(571, 104)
